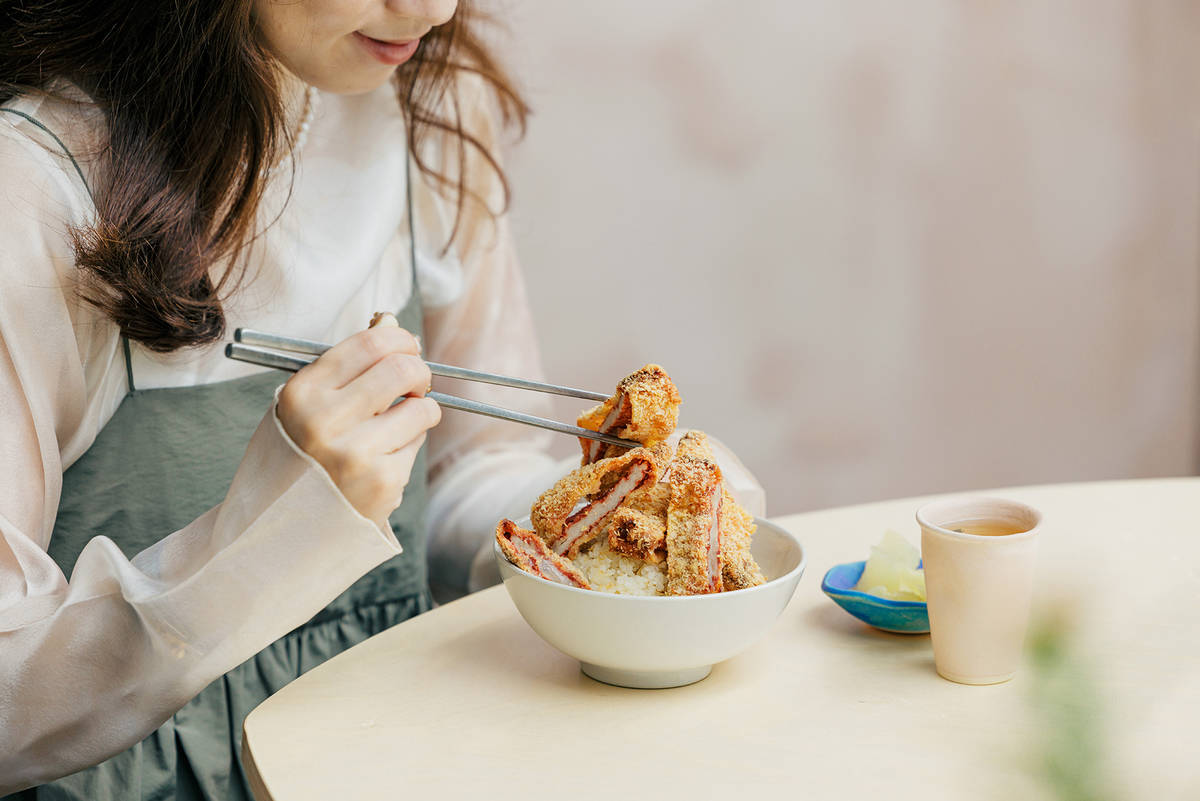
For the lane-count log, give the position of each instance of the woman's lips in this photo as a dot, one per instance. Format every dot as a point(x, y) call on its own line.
point(392, 53)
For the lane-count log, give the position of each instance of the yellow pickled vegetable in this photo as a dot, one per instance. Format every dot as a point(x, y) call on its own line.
point(892, 572)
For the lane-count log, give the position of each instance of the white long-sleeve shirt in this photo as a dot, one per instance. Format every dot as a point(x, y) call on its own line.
point(92, 664)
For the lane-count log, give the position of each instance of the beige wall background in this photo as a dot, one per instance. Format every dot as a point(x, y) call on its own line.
point(883, 248)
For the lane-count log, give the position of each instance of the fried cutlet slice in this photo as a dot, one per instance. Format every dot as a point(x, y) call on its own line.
point(528, 551)
point(644, 408)
point(638, 527)
point(662, 454)
point(652, 501)
point(566, 530)
point(739, 570)
point(639, 535)
point(693, 528)
point(694, 445)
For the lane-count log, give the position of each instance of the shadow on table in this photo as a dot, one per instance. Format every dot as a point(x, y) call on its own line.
point(514, 654)
point(506, 655)
point(830, 617)
point(910, 654)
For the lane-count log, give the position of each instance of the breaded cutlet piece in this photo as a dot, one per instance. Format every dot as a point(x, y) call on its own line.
point(566, 530)
point(644, 408)
point(693, 528)
point(694, 445)
point(528, 551)
point(651, 500)
point(662, 453)
point(638, 535)
point(738, 570)
point(638, 527)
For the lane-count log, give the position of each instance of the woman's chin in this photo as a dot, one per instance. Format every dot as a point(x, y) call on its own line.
point(348, 74)
point(357, 82)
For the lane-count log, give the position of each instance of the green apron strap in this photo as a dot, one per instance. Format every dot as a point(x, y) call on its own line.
point(412, 233)
point(87, 188)
point(128, 364)
point(53, 136)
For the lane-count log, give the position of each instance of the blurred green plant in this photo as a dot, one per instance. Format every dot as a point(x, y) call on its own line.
point(1071, 755)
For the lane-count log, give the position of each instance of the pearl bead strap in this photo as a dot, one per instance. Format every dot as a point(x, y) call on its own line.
point(311, 99)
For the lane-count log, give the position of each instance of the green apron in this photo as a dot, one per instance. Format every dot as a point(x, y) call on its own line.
point(166, 457)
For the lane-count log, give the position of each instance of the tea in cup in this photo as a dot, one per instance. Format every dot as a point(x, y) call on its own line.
point(979, 563)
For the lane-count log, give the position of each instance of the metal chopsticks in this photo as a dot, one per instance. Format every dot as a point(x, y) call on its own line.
point(248, 336)
point(256, 354)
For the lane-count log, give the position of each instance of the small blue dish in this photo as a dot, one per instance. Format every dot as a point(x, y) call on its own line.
point(901, 617)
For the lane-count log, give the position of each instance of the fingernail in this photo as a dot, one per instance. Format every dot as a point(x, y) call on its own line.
point(384, 318)
point(420, 347)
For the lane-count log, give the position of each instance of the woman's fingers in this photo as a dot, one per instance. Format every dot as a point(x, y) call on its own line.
point(399, 465)
point(402, 424)
point(394, 376)
point(373, 483)
point(354, 355)
point(374, 480)
point(339, 411)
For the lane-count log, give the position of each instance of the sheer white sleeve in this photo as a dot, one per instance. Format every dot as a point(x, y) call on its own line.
point(91, 665)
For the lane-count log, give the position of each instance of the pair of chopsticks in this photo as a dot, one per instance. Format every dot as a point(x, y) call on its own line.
point(255, 347)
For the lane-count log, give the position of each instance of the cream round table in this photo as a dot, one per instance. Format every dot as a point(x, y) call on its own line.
point(466, 701)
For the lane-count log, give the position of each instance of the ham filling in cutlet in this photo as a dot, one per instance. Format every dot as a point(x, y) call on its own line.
point(641, 521)
point(738, 568)
point(607, 482)
point(583, 526)
point(694, 528)
point(528, 551)
point(714, 546)
point(616, 419)
point(644, 408)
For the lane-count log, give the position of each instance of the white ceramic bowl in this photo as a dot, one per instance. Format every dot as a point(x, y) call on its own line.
point(654, 642)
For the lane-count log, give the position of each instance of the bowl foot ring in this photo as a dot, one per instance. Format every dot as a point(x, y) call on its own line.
point(645, 679)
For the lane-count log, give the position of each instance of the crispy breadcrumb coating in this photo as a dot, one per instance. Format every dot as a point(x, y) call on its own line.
point(528, 551)
point(693, 552)
point(566, 530)
point(662, 453)
point(694, 445)
point(739, 570)
point(737, 525)
point(652, 504)
point(639, 535)
point(644, 408)
point(652, 500)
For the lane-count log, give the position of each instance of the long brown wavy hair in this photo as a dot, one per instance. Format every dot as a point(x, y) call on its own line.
point(194, 114)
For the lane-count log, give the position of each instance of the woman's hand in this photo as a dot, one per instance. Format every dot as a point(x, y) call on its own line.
point(337, 410)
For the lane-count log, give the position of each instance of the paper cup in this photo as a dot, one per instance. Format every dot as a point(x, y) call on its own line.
point(979, 586)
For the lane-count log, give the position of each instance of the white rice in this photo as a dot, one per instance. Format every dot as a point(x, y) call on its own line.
point(608, 571)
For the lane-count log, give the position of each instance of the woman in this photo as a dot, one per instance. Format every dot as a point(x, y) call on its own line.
point(169, 172)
